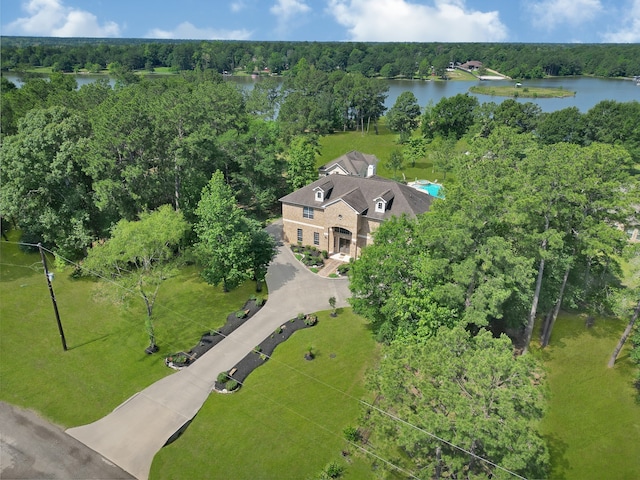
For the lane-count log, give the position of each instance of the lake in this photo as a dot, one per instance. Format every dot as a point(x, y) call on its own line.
point(589, 90)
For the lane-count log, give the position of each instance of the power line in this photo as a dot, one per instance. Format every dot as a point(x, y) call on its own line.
point(359, 447)
point(367, 404)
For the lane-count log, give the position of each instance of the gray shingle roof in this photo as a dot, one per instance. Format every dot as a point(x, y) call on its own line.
point(360, 193)
point(354, 163)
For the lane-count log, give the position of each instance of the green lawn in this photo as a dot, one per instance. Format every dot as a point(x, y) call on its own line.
point(381, 145)
point(288, 418)
point(105, 363)
point(593, 421)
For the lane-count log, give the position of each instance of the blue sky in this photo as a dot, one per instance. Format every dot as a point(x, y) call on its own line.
point(558, 21)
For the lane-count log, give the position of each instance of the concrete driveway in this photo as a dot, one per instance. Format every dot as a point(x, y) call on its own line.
point(136, 430)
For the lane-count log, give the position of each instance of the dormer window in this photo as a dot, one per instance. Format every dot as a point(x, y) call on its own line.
point(319, 195)
point(382, 202)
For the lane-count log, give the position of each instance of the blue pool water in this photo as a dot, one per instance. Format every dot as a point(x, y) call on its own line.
point(432, 189)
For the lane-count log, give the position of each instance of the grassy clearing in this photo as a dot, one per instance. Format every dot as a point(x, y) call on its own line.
point(290, 415)
point(522, 92)
point(593, 422)
point(105, 363)
point(380, 145)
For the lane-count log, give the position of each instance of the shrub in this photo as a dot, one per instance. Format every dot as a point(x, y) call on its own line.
point(278, 330)
point(300, 316)
point(241, 314)
point(257, 349)
point(259, 301)
point(352, 434)
point(231, 385)
point(333, 470)
point(325, 254)
point(311, 320)
point(223, 377)
point(344, 268)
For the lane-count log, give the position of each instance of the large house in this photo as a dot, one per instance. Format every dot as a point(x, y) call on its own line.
point(338, 213)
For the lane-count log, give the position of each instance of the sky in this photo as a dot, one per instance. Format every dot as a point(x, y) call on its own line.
point(521, 21)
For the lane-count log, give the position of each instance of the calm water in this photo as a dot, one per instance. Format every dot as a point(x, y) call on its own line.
point(589, 91)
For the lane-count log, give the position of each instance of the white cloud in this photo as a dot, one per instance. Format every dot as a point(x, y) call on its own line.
point(188, 31)
point(237, 6)
point(50, 18)
point(629, 31)
point(285, 9)
point(402, 20)
point(551, 13)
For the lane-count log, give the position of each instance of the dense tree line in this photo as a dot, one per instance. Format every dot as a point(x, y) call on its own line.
point(370, 59)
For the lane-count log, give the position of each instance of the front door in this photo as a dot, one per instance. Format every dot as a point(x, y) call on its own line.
point(344, 245)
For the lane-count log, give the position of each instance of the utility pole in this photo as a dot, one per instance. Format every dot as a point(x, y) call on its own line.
point(53, 296)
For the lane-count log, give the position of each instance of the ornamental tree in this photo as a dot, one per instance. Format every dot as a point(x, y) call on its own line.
point(139, 256)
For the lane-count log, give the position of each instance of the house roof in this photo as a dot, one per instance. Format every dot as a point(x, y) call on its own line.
point(471, 64)
point(360, 194)
point(352, 163)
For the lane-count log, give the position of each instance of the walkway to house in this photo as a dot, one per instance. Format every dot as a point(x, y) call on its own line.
point(135, 431)
point(332, 263)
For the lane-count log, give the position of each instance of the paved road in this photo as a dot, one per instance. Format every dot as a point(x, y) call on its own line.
point(133, 433)
point(32, 448)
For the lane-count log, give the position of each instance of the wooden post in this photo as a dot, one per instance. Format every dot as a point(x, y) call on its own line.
point(53, 296)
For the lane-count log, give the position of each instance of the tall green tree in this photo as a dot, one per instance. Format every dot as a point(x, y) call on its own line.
point(457, 405)
point(404, 116)
point(255, 155)
point(45, 188)
point(262, 251)
point(450, 117)
point(140, 256)
point(301, 162)
point(224, 241)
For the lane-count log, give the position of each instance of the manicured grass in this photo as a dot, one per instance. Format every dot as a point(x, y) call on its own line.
point(524, 92)
point(287, 421)
point(593, 421)
point(105, 363)
point(380, 145)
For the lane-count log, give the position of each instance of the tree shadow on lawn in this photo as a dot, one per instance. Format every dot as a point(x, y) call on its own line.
point(557, 451)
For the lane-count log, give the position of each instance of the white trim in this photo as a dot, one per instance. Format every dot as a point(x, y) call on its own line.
point(303, 223)
point(346, 172)
point(366, 237)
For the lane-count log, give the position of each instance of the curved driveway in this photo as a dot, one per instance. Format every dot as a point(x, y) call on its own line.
point(135, 431)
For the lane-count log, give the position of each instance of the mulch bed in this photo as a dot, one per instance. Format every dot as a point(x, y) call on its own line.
point(212, 338)
point(262, 352)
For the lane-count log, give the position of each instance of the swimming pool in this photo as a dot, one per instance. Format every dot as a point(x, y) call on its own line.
point(433, 189)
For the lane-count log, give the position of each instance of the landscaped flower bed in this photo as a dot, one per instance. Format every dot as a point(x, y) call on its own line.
point(310, 256)
point(232, 379)
point(212, 338)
